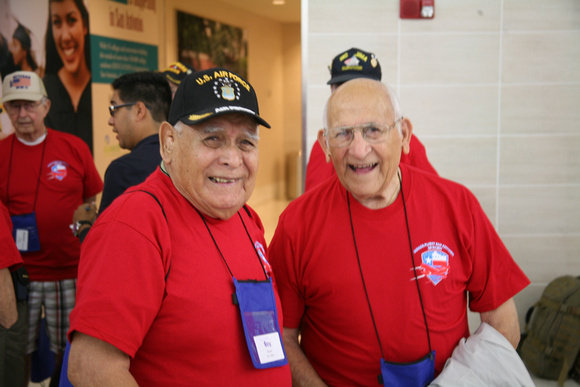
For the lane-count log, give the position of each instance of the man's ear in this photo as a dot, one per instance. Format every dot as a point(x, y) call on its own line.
point(167, 141)
point(47, 104)
point(324, 145)
point(407, 132)
point(141, 110)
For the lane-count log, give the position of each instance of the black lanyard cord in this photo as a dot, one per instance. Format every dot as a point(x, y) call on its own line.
point(218, 248)
point(414, 267)
point(412, 260)
point(10, 172)
point(362, 276)
point(254, 246)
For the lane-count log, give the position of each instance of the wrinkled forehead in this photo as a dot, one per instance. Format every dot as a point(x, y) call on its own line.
point(359, 101)
point(243, 123)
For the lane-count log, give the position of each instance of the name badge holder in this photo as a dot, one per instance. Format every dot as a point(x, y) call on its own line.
point(25, 229)
point(25, 232)
point(418, 373)
point(257, 304)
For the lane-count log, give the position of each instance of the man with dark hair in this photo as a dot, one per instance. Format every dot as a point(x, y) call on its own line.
point(140, 103)
point(351, 64)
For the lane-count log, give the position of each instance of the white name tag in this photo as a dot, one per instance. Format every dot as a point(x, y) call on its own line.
point(22, 239)
point(269, 347)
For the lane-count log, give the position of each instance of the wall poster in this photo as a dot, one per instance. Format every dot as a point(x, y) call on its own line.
point(204, 43)
point(54, 42)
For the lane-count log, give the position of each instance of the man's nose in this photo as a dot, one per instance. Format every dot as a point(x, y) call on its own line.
point(359, 146)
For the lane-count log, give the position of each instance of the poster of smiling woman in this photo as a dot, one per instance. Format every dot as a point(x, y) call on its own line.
point(51, 37)
point(68, 74)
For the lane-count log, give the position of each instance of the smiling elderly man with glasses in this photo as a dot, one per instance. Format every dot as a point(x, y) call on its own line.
point(377, 266)
point(44, 175)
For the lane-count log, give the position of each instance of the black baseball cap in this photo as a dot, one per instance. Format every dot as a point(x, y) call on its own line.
point(176, 72)
point(354, 63)
point(209, 93)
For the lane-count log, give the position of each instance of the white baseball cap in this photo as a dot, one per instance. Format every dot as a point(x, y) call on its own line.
point(23, 85)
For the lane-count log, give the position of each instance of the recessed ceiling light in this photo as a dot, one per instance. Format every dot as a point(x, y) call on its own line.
point(278, 2)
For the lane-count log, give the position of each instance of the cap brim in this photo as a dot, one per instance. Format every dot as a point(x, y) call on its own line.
point(347, 77)
point(194, 119)
point(22, 97)
point(171, 77)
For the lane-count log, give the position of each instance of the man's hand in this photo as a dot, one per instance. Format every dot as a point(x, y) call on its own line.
point(86, 211)
point(8, 311)
point(303, 374)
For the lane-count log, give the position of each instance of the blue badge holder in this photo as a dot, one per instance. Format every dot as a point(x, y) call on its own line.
point(419, 373)
point(257, 305)
point(25, 232)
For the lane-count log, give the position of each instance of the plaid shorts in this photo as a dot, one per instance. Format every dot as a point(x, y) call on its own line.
point(58, 300)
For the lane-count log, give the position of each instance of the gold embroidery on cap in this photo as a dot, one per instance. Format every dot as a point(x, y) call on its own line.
point(195, 117)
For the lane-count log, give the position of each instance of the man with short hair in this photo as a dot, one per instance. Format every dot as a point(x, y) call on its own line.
point(378, 265)
point(351, 64)
point(140, 103)
point(44, 176)
point(167, 270)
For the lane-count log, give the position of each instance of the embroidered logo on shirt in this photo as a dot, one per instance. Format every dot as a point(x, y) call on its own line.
point(57, 170)
point(434, 261)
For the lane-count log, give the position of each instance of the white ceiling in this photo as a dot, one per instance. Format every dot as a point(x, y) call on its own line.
point(287, 13)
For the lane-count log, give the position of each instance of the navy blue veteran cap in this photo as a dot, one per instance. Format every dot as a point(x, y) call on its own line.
point(354, 63)
point(176, 72)
point(209, 93)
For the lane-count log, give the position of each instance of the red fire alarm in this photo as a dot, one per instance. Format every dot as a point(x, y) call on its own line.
point(417, 9)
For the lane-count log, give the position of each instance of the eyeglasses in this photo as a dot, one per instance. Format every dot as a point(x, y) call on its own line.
point(113, 108)
point(372, 133)
point(14, 107)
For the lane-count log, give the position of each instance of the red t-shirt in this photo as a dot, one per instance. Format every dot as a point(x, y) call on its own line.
point(184, 330)
point(319, 170)
point(9, 256)
point(67, 176)
point(456, 251)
